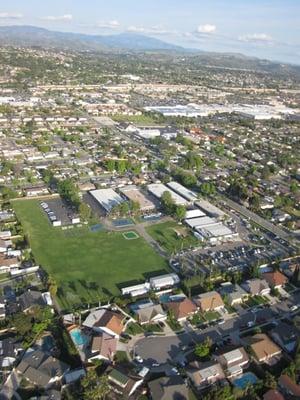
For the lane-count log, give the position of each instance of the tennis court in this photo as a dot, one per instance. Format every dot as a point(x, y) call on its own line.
point(120, 223)
point(130, 235)
point(97, 228)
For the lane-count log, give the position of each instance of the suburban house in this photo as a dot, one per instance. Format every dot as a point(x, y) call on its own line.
point(4, 245)
point(275, 279)
point(233, 293)
point(264, 349)
point(256, 287)
point(10, 349)
point(122, 384)
point(168, 388)
point(40, 369)
point(7, 263)
point(205, 374)
point(233, 361)
point(273, 394)
point(151, 314)
point(30, 299)
point(210, 301)
point(181, 309)
point(103, 347)
point(289, 387)
point(286, 336)
point(104, 320)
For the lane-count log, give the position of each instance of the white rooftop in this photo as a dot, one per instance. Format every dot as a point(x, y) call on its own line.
point(233, 356)
point(182, 191)
point(107, 198)
point(158, 189)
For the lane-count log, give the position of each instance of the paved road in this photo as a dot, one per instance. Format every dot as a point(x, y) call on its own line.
point(257, 219)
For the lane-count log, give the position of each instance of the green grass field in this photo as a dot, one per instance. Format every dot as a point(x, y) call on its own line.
point(85, 264)
point(166, 236)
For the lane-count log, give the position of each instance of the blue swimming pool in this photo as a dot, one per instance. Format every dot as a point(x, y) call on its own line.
point(244, 380)
point(168, 297)
point(78, 337)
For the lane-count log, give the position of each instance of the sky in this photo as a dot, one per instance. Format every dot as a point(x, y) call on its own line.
point(264, 28)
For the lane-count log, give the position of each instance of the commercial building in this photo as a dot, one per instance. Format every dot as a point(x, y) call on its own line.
point(189, 195)
point(210, 229)
point(107, 198)
point(194, 214)
point(136, 290)
point(210, 209)
point(148, 133)
point(132, 193)
point(158, 189)
point(163, 281)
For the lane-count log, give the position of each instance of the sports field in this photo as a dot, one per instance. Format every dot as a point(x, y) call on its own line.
point(85, 264)
point(172, 236)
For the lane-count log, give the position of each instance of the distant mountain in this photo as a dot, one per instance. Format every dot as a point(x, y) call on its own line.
point(29, 36)
point(34, 36)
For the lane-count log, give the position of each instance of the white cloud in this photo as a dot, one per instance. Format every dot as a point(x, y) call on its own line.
point(6, 15)
point(65, 17)
point(154, 30)
point(256, 37)
point(113, 24)
point(207, 28)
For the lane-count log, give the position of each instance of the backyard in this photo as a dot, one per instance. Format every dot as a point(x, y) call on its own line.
point(86, 265)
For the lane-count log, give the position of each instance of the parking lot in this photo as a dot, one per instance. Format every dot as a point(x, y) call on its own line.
point(230, 258)
point(60, 210)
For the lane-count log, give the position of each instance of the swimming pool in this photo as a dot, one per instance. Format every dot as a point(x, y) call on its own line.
point(78, 337)
point(244, 380)
point(168, 297)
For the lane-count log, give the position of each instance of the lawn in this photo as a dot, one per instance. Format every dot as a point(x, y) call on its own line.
point(85, 264)
point(256, 301)
point(211, 315)
point(136, 119)
point(165, 234)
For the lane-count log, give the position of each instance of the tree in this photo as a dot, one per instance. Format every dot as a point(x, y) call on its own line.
point(110, 165)
point(254, 202)
point(134, 206)
point(95, 388)
point(167, 202)
point(208, 188)
point(180, 212)
point(192, 161)
point(296, 275)
point(84, 211)
point(203, 349)
point(52, 285)
point(23, 323)
point(121, 166)
point(270, 381)
point(186, 178)
point(69, 192)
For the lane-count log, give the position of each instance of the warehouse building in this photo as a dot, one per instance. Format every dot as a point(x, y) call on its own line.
point(189, 195)
point(210, 209)
point(158, 189)
point(136, 290)
point(164, 281)
point(200, 221)
point(133, 193)
point(107, 198)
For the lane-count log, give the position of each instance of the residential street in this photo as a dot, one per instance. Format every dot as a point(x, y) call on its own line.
point(160, 350)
